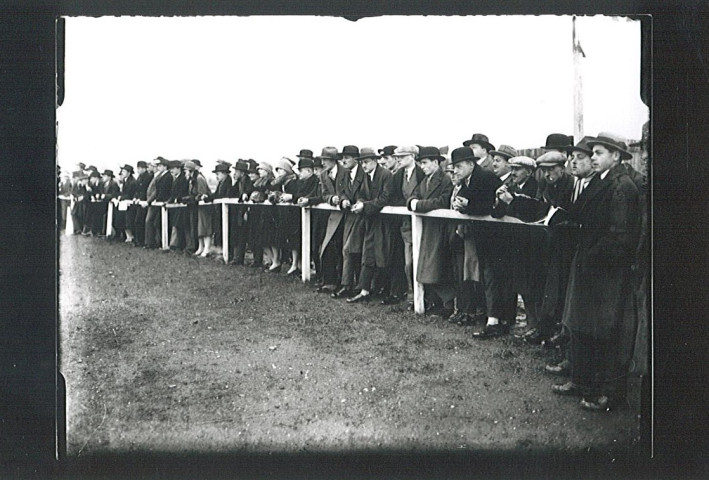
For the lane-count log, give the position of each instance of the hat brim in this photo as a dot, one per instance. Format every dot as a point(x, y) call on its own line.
point(487, 145)
point(624, 155)
point(370, 157)
point(502, 154)
point(433, 157)
point(550, 164)
point(580, 149)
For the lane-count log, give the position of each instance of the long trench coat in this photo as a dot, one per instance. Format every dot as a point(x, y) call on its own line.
point(327, 190)
point(353, 229)
point(599, 296)
point(434, 265)
point(376, 246)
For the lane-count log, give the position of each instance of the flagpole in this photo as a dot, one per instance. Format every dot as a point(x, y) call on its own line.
point(578, 84)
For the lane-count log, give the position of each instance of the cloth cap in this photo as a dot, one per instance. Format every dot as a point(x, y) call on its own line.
point(522, 162)
point(551, 159)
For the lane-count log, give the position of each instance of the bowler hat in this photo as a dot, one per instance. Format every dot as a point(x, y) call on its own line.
point(328, 153)
point(174, 164)
point(405, 151)
point(461, 154)
point(242, 165)
point(221, 167)
point(558, 141)
point(430, 152)
point(551, 159)
point(108, 172)
point(366, 153)
point(350, 150)
point(504, 151)
point(94, 173)
point(481, 140)
point(197, 162)
point(305, 153)
point(613, 142)
point(141, 164)
point(582, 146)
point(305, 162)
point(522, 162)
point(387, 151)
point(127, 168)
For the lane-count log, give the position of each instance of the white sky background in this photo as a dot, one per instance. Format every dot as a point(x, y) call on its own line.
point(265, 87)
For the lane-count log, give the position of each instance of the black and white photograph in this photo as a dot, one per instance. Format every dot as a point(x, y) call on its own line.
point(420, 311)
point(311, 234)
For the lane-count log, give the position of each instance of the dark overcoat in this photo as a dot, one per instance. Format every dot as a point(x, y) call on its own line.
point(434, 263)
point(163, 187)
point(599, 290)
point(376, 246)
point(328, 190)
point(179, 217)
point(129, 187)
point(346, 189)
point(141, 185)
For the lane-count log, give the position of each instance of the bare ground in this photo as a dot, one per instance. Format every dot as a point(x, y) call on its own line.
point(166, 353)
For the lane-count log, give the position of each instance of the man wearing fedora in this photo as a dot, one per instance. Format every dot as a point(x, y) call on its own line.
point(376, 244)
point(159, 190)
point(481, 147)
point(241, 187)
point(348, 185)
point(327, 225)
point(598, 310)
point(500, 167)
point(123, 220)
point(407, 177)
point(434, 266)
point(222, 170)
point(137, 211)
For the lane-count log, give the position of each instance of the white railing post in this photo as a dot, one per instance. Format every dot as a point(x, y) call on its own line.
point(225, 232)
point(109, 219)
point(416, 230)
point(305, 244)
point(69, 224)
point(164, 233)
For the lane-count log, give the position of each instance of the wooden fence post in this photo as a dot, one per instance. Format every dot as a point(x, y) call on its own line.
point(225, 232)
point(109, 219)
point(69, 225)
point(164, 233)
point(416, 230)
point(305, 243)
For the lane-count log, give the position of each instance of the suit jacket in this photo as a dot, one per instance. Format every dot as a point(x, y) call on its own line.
point(129, 187)
point(353, 229)
point(524, 205)
point(141, 185)
point(397, 195)
point(326, 191)
point(111, 189)
point(480, 190)
point(223, 188)
point(434, 255)
point(600, 280)
point(378, 234)
point(163, 187)
point(180, 188)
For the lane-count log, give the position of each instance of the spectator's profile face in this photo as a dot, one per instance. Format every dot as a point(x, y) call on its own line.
point(478, 150)
point(368, 165)
point(305, 173)
point(405, 161)
point(389, 162)
point(463, 169)
point(603, 159)
point(429, 166)
point(262, 173)
point(348, 161)
point(254, 176)
point(499, 165)
point(553, 174)
point(520, 174)
point(280, 172)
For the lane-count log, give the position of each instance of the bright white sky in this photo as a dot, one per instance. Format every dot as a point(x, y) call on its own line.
point(265, 87)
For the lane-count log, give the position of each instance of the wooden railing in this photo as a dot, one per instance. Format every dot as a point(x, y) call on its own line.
point(305, 213)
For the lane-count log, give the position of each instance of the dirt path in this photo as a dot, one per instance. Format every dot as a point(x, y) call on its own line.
point(162, 352)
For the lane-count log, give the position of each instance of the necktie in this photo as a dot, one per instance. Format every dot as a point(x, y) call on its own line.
point(577, 190)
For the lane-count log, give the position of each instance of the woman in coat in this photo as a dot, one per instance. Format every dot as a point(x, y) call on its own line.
point(199, 191)
point(261, 219)
point(283, 188)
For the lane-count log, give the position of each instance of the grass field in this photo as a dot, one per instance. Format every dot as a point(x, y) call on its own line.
point(166, 353)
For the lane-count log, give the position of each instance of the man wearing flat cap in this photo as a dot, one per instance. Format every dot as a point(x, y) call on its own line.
point(348, 185)
point(377, 236)
point(481, 147)
point(159, 190)
point(600, 284)
point(407, 177)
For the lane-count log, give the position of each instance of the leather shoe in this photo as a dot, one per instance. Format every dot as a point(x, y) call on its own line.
point(567, 389)
point(561, 369)
point(392, 300)
point(489, 331)
point(343, 292)
point(326, 289)
point(557, 340)
point(360, 297)
point(599, 404)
